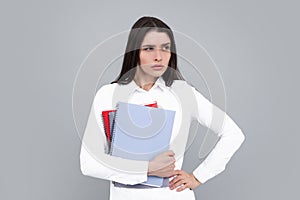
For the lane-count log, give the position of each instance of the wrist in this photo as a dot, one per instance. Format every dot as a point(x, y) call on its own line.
point(149, 172)
point(196, 179)
point(196, 182)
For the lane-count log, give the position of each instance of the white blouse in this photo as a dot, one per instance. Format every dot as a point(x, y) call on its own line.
point(95, 162)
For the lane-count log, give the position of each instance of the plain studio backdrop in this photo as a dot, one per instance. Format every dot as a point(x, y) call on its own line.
point(255, 45)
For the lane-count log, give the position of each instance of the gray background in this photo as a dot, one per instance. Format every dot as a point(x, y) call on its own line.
point(254, 43)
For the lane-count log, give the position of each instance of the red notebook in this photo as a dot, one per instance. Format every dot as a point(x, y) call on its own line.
point(106, 122)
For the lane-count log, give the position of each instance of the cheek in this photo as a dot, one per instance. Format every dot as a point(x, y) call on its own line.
point(144, 59)
point(167, 58)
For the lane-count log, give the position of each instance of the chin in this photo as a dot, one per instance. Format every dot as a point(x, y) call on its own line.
point(158, 74)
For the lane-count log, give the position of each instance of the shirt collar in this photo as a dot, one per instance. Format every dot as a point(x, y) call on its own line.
point(159, 83)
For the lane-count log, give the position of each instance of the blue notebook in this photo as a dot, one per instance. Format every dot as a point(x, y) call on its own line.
point(138, 186)
point(141, 133)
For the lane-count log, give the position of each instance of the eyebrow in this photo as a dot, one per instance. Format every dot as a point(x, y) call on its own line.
point(150, 45)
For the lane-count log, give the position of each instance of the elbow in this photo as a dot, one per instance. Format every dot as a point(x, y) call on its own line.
point(86, 171)
point(83, 169)
point(242, 136)
point(84, 166)
point(85, 163)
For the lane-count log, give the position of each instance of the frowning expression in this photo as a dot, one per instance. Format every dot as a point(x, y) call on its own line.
point(155, 53)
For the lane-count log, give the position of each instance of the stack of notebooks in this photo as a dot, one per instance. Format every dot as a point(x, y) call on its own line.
point(139, 132)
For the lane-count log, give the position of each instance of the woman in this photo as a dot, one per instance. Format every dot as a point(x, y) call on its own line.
point(149, 73)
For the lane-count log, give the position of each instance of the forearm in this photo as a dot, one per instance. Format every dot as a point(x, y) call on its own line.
point(97, 168)
point(96, 163)
point(230, 141)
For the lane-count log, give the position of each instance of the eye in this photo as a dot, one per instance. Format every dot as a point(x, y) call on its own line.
point(148, 48)
point(166, 48)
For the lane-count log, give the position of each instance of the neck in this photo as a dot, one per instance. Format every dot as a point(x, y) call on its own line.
point(143, 83)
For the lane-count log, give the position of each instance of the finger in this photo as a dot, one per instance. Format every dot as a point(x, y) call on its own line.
point(175, 172)
point(173, 160)
point(178, 183)
point(179, 172)
point(174, 180)
point(169, 160)
point(183, 187)
point(167, 167)
point(172, 175)
point(169, 153)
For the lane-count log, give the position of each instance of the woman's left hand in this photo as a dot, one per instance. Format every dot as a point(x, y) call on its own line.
point(184, 180)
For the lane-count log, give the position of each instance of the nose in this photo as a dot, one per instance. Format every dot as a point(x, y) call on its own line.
point(158, 56)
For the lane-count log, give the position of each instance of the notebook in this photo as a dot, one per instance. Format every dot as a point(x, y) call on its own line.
point(141, 133)
point(107, 123)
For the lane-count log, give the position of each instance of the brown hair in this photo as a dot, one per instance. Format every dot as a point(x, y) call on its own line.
point(131, 58)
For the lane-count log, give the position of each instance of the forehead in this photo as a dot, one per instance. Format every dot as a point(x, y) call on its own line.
point(156, 38)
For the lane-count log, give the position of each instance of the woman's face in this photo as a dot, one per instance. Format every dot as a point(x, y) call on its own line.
point(154, 54)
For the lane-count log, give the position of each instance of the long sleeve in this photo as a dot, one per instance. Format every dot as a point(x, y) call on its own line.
point(94, 161)
point(231, 138)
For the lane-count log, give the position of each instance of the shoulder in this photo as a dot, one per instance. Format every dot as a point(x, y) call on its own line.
point(103, 95)
point(181, 84)
point(105, 89)
point(188, 88)
point(184, 88)
point(178, 83)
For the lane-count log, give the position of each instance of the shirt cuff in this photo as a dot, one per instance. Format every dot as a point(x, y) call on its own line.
point(202, 174)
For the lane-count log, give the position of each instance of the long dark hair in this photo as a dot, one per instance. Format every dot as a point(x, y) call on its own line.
point(131, 58)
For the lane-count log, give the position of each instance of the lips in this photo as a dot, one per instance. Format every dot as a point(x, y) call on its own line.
point(157, 66)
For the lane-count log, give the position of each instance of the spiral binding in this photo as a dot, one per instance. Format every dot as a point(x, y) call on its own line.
point(105, 128)
point(105, 131)
point(112, 135)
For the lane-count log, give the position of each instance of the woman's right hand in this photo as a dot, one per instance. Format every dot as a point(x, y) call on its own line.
point(162, 165)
